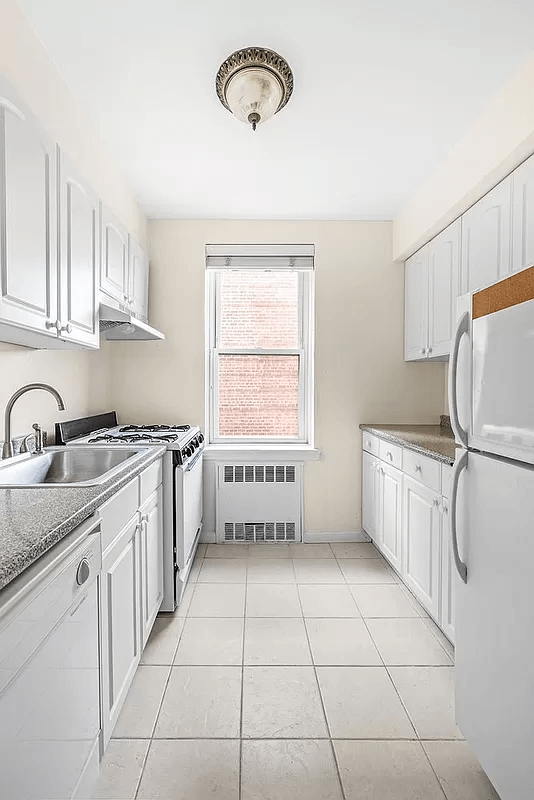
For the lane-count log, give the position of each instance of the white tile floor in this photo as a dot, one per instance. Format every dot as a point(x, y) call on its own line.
point(292, 672)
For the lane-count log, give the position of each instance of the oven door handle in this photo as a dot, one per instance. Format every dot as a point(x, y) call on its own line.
point(192, 463)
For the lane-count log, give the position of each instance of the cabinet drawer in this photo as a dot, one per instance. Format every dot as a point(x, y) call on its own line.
point(390, 453)
point(118, 510)
point(423, 469)
point(370, 443)
point(150, 479)
point(446, 476)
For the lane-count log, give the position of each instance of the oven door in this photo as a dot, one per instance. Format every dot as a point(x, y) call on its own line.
point(189, 503)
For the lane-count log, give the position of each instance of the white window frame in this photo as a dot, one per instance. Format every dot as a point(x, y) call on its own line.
point(305, 353)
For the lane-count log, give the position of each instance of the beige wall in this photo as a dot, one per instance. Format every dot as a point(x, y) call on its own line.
point(81, 377)
point(501, 138)
point(360, 372)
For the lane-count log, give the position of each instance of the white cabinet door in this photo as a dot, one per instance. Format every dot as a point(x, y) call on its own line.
point(28, 256)
point(523, 216)
point(486, 239)
point(137, 280)
point(390, 517)
point(416, 306)
point(422, 543)
point(114, 265)
point(151, 560)
point(448, 577)
point(120, 622)
point(370, 495)
point(443, 288)
point(79, 257)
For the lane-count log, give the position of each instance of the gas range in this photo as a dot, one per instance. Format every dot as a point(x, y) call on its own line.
point(183, 440)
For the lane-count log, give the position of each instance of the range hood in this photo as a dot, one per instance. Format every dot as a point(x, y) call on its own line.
point(120, 326)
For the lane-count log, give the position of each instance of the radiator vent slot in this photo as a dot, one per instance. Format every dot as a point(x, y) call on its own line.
point(259, 473)
point(259, 532)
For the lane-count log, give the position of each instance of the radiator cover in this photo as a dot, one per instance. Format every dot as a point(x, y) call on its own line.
point(259, 503)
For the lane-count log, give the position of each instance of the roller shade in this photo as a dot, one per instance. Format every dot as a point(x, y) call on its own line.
point(260, 256)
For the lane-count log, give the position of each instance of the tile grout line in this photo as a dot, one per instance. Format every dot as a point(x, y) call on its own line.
point(329, 732)
point(145, 761)
point(240, 765)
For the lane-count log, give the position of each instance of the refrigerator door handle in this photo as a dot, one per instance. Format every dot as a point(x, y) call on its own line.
point(459, 465)
point(461, 330)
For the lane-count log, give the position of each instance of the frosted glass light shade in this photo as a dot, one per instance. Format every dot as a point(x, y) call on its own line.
point(254, 91)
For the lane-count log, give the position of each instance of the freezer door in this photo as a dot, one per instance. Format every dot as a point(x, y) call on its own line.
point(491, 376)
point(495, 620)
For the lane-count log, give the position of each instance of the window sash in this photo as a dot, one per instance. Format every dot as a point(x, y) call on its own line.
point(305, 353)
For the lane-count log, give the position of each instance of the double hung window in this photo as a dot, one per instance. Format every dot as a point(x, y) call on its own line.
point(260, 337)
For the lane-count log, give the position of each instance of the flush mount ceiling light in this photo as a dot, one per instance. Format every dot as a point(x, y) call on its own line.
point(254, 84)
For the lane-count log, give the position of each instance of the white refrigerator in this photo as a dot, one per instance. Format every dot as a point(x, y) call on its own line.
point(491, 396)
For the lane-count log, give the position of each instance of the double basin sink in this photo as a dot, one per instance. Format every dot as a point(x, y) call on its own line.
point(67, 466)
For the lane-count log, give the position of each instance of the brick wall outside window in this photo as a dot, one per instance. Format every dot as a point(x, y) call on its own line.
point(258, 394)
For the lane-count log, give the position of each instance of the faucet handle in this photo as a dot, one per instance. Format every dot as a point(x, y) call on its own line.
point(24, 446)
point(38, 438)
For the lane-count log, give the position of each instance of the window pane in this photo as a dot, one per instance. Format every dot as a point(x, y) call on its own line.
point(259, 309)
point(258, 395)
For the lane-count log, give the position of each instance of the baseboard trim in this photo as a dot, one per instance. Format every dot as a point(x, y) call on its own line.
point(208, 537)
point(311, 537)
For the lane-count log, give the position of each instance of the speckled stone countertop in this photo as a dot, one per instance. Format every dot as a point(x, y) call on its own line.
point(434, 441)
point(34, 520)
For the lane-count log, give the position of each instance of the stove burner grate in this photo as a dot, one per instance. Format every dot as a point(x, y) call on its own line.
point(132, 438)
point(133, 428)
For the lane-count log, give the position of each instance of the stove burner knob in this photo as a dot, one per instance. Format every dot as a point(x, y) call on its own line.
point(200, 438)
point(184, 454)
point(190, 450)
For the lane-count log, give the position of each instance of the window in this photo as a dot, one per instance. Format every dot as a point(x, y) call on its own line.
point(259, 348)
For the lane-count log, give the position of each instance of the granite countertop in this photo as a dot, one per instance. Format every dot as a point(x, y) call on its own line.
point(434, 441)
point(34, 520)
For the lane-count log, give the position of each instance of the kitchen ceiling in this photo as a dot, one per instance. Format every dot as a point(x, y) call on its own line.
point(383, 91)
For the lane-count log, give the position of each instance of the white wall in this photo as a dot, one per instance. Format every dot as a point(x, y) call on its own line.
point(501, 138)
point(81, 377)
point(360, 372)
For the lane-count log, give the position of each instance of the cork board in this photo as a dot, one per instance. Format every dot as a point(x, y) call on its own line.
point(518, 288)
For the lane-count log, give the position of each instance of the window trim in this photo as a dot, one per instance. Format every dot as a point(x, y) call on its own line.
point(306, 364)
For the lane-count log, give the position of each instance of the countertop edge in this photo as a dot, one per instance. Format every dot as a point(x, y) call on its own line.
point(65, 526)
point(417, 448)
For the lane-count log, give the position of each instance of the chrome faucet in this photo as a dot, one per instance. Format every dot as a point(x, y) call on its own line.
point(7, 451)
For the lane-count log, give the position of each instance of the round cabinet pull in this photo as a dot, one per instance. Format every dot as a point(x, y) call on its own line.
point(83, 572)
point(49, 324)
point(389, 454)
point(435, 502)
point(66, 328)
point(422, 351)
point(417, 468)
point(429, 350)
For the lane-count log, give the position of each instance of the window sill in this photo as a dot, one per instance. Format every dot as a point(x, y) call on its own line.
point(261, 452)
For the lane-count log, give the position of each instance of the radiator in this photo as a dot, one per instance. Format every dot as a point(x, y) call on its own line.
point(259, 503)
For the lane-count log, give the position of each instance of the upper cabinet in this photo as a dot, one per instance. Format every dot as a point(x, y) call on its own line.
point(523, 216)
point(431, 291)
point(137, 281)
point(28, 256)
point(416, 305)
point(114, 265)
point(79, 257)
point(443, 289)
point(486, 238)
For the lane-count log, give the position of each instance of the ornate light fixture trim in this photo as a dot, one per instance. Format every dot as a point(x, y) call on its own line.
point(254, 84)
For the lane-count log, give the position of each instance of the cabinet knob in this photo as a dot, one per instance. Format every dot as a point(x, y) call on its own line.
point(66, 328)
point(49, 324)
point(429, 350)
point(418, 468)
point(389, 455)
point(422, 351)
point(435, 502)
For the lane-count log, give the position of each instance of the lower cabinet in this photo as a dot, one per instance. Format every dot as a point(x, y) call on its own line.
point(151, 529)
point(390, 516)
point(421, 527)
point(448, 577)
point(131, 592)
point(409, 523)
point(120, 642)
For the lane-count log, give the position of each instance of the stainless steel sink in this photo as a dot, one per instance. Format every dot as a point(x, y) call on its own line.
point(67, 466)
